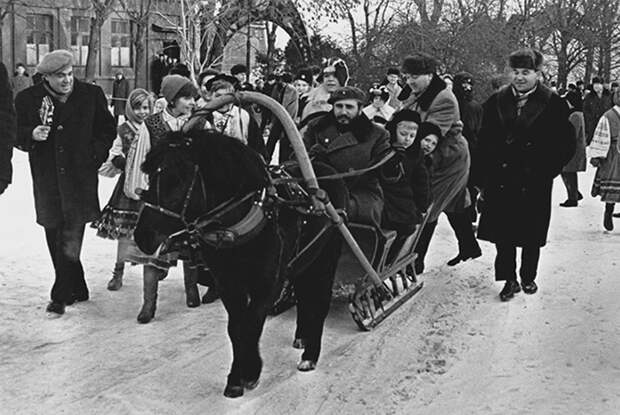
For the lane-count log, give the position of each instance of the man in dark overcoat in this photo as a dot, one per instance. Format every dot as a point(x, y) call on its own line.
point(67, 129)
point(596, 102)
point(524, 142)
point(7, 129)
point(120, 92)
point(345, 139)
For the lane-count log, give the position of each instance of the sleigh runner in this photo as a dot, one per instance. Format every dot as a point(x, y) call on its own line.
point(380, 287)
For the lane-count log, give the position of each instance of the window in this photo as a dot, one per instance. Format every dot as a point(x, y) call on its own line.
point(80, 36)
point(121, 43)
point(39, 37)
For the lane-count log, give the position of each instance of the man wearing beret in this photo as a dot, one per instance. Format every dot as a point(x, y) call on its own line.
point(525, 140)
point(7, 129)
point(345, 139)
point(66, 128)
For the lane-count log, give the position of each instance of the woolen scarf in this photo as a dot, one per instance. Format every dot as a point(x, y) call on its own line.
point(140, 146)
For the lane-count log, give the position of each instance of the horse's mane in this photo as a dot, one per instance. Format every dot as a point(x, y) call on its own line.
point(228, 166)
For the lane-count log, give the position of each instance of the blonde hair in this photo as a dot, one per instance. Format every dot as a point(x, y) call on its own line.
point(135, 100)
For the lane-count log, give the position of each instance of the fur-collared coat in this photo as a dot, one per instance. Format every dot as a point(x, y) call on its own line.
point(64, 167)
point(451, 159)
point(357, 147)
point(7, 126)
point(518, 158)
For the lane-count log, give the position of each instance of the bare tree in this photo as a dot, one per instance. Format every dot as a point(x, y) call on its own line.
point(101, 9)
point(139, 13)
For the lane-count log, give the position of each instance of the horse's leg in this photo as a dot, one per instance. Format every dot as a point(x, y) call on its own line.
point(151, 277)
point(235, 301)
point(190, 278)
point(261, 293)
point(315, 288)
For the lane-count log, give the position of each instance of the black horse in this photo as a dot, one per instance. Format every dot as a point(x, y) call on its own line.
point(204, 183)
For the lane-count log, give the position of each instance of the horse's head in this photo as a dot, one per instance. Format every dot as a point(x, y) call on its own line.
point(189, 174)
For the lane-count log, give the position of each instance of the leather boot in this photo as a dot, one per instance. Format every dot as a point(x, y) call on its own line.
point(190, 278)
point(149, 286)
point(117, 277)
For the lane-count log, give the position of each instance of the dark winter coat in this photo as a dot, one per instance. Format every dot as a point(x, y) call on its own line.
point(7, 126)
point(120, 92)
point(64, 167)
point(19, 83)
point(407, 198)
point(518, 158)
point(356, 147)
point(593, 108)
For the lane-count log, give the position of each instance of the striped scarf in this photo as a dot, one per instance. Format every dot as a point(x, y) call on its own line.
point(522, 97)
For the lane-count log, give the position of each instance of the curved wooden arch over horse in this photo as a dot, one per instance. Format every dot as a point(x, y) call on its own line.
point(214, 200)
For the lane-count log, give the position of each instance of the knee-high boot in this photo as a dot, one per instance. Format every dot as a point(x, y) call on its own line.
point(150, 285)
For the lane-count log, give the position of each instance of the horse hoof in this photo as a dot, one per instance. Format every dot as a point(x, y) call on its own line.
point(233, 391)
point(211, 296)
point(306, 365)
point(192, 302)
point(299, 344)
point(115, 284)
point(145, 316)
point(250, 384)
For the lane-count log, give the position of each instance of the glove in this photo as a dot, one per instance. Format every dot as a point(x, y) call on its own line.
point(596, 161)
point(119, 162)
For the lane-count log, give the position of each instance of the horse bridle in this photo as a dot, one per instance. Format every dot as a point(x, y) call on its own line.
point(180, 216)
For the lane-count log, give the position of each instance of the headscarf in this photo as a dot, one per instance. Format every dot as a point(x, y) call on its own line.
point(134, 177)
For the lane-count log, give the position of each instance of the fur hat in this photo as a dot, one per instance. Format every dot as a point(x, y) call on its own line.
point(304, 74)
point(175, 86)
point(597, 80)
point(55, 61)
point(403, 115)
point(379, 91)
point(347, 92)
point(237, 69)
point(338, 67)
point(526, 58)
point(419, 64)
point(393, 71)
point(428, 128)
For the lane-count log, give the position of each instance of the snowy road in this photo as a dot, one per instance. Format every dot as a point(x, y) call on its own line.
point(453, 349)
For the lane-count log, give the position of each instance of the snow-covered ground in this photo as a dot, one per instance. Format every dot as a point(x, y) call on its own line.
point(453, 349)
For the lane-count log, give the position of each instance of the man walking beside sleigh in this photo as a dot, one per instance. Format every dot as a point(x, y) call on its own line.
point(66, 128)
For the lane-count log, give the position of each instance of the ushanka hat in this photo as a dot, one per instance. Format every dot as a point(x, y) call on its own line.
point(304, 74)
point(347, 92)
point(526, 59)
point(339, 68)
point(419, 64)
point(55, 61)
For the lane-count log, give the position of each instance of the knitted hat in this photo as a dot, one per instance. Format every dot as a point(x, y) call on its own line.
point(419, 64)
point(55, 61)
point(526, 59)
point(393, 71)
point(428, 128)
point(237, 69)
point(338, 67)
point(304, 74)
point(175, 86)
point(347, 92)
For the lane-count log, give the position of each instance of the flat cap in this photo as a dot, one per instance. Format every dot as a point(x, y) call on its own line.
point(347, 92)
point(55, 61)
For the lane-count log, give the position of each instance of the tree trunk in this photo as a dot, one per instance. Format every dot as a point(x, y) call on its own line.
point(589, 64)
point(271, 46)
point(2, 43)
point(140, 58)
point(94, 45)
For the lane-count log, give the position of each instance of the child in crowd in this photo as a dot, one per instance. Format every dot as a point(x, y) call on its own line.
point(120, 216)
point(407, 199)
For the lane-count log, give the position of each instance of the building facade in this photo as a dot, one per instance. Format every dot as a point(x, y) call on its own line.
point(34, 27)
